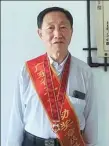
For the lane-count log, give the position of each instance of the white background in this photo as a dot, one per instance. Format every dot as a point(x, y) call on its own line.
point(20, 42)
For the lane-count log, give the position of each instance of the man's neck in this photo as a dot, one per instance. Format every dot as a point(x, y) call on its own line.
point(59, 59)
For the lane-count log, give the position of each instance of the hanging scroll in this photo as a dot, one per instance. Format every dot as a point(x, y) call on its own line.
point(102, 28)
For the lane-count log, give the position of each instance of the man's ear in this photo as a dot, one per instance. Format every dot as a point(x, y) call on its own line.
point(39, 31)
point(72, 31)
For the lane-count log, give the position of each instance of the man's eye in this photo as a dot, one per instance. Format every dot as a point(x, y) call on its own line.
point(62, 27)
point(50, 27)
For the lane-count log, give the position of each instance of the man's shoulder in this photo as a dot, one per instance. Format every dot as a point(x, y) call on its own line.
point(38, 58)
point(80, 65)
point(35, 60)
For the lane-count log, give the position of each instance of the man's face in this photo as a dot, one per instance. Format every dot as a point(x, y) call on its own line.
point(56, 33)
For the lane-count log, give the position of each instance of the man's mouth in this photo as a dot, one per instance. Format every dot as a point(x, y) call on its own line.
point(60, 42)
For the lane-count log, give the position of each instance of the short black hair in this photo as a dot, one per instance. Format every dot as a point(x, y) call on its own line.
point(52, 9)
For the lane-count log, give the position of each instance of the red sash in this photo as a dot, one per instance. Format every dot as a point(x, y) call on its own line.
point(52, 94)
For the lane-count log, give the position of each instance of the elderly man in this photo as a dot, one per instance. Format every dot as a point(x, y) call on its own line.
point(54, 103)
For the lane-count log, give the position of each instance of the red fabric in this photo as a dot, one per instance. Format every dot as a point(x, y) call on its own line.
point(52, 94)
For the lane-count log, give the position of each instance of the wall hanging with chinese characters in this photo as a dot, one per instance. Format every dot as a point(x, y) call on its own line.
point(102, 33)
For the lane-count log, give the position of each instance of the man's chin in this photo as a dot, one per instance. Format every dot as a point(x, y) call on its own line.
point(58, 48)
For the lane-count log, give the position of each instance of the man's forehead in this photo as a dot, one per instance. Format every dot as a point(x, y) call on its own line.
point(57, 22)
point(55, 16)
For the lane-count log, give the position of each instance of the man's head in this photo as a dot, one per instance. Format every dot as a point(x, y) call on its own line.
point(55, 26)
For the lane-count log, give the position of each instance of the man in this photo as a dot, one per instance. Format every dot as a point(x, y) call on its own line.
point(54, 104)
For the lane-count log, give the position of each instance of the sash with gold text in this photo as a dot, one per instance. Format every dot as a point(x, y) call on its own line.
point(52, 94)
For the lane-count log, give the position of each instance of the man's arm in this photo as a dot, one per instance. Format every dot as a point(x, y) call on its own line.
point(16, 125)
point(91, 116)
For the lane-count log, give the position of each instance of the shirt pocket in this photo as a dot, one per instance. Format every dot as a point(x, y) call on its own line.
point(78, 105)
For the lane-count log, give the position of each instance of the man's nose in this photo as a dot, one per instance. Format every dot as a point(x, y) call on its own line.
point(57, 33)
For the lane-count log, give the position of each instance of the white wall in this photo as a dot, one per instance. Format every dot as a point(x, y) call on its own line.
point(20, 42)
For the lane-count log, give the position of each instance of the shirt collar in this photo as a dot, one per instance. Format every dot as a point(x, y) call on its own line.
point(54, 63)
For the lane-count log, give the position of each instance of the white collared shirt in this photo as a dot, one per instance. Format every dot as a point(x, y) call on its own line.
point(28, 113)
point(58, 67)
